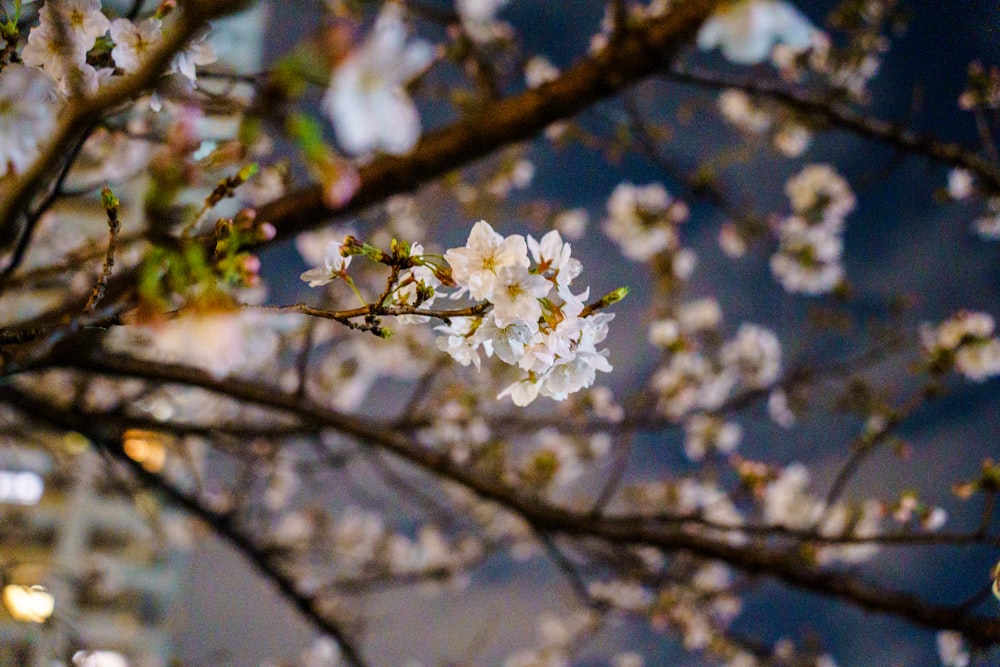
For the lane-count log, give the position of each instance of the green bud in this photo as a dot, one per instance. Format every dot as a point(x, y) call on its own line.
point(109, 200)
point(614, 297)
point(247, 172)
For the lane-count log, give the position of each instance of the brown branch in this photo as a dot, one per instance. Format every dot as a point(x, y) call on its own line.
point(785, 565)
point(83, 112)
point(638, 53)
point(840, 115)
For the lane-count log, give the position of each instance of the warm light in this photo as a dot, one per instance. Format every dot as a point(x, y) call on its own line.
point(31, 604)
point(145, 448)
point(23, 488)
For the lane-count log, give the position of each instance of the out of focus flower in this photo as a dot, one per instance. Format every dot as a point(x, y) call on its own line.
point(99, 659)
point(134, 41)
point(366, 101)
point(198, 52)
point(960, 184)
point(26, 116)
point(951, 649)
point(479, 18)
point(643, 219)
point(747, 30)
point(810, 240)
point(966, 341)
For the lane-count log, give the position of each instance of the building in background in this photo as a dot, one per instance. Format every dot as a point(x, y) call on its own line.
point(87, 562)
point(85, 565)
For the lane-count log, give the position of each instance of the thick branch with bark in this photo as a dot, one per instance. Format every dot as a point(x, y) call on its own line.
point(782, 563)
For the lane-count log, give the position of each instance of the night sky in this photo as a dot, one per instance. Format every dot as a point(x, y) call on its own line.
point(900, 240)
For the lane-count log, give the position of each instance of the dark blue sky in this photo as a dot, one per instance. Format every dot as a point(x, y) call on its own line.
point(900, 240)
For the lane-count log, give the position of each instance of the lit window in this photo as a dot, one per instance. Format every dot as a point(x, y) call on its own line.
point(23, 488)
point(31, 604)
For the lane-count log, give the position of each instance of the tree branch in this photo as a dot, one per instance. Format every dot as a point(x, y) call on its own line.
point(785, 565)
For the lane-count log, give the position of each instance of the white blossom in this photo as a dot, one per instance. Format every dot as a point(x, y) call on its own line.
point(746, 30)
point(553, 258)
point(479, 18)
point(755, 354)
point(704, 433)
point(951, 649)
point(737, 108)
point(642, 220)
point(539, 70)
point(515, 296)
point(323, 652)
point(334, 266)
point(459, 343)
point(786, 501)
point(99, 659)
point(26, 116)
point(960, 184)
point(59, 44)
point(967, 339)
point(366, 101)
point(134, 42)
point(819, 189)
point(199, 51)
point(476, 265)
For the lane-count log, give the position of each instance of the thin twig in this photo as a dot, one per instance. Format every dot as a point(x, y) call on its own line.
point(111, 205)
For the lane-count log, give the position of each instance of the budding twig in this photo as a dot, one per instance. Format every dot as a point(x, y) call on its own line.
point(111, 205)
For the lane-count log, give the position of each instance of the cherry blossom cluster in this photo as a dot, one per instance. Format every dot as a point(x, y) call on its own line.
point(964, 341)
point(789, 137)
point(810, 241)
point(696, 378)
point(531, 319)
point(365, 99)
point(788, 503)
point(68, 32)
point(68, 55)
point(643, 220)
point(536, 322)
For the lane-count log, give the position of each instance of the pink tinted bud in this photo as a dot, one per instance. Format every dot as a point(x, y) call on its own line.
point(251, 264)
point(267, 231)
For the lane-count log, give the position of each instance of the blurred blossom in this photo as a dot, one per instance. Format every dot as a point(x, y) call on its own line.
point(366, 100)
point(571, 223)
point(778, 409)
point(966, 341)
point(811, 239)
point(960, 184)
point(134, 41)
point(746, 30)
point(951, 649)
point(99, 659)
point(323, 652)
point(26, 116)
point(21, 488)
point(738, 109)
point(479, 18)
point(642, 220)
point(792, 139)
point(988, 226)
point(539, 70)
